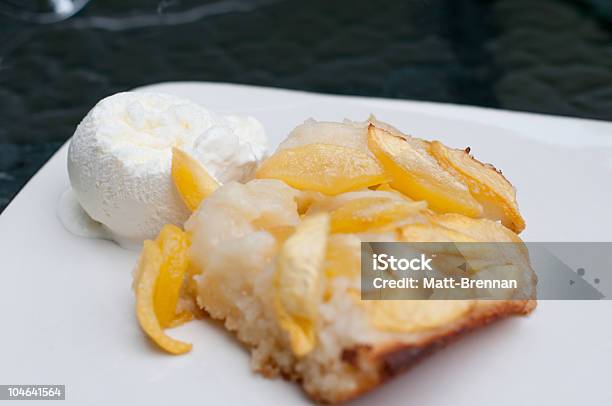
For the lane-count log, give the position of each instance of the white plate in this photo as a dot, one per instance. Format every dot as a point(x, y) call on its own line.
point(67, 311)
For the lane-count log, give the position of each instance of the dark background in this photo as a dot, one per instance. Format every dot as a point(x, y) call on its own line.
point(548, 56)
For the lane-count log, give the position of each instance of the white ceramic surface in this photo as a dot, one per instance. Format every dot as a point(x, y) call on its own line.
point(66, 307)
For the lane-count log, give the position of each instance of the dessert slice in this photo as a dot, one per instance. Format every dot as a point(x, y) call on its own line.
point(294, 298)
point(278, 259)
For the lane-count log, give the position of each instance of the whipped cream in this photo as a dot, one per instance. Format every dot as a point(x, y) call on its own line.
point(119, 159)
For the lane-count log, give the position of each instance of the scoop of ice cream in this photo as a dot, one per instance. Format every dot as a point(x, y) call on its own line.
point(119, 159)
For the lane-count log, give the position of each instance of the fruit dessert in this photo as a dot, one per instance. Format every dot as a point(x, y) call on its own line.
point(277, 258)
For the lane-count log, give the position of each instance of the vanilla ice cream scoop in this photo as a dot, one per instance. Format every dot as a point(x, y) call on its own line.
point(119, 159)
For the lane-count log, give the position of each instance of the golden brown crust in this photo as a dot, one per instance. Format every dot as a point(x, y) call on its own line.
point(390, 359)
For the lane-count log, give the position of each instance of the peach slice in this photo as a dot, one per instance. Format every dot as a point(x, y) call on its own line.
point(486, 184)
point(297, 282)
point(326, 168)
point(191, 179)
point(149, 266)
point(369, 213)
point(416, 174)
point(174, 244)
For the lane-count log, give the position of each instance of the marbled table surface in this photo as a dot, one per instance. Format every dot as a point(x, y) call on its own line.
point(548, 56)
